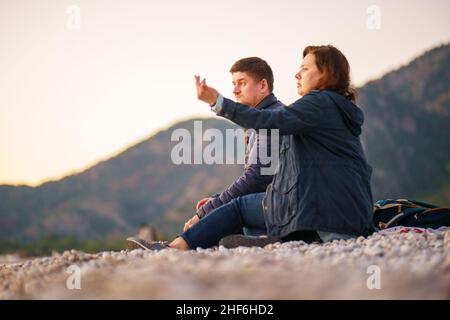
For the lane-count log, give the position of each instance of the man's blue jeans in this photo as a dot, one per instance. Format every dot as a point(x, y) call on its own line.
point(243, 213)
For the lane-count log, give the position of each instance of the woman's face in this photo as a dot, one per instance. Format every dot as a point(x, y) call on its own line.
point(309, 76)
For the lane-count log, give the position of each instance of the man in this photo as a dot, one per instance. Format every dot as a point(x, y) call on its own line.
point(253, 86)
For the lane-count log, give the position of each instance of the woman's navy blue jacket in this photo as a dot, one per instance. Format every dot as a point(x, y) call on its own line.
point(323, 179)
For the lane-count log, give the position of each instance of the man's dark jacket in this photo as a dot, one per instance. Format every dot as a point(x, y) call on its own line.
point(251, 181)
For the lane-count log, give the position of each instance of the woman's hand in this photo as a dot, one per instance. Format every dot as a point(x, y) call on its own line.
point(191, 222)
point(205, 93)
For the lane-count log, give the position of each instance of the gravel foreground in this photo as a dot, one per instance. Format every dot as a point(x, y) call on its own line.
point(410, 265)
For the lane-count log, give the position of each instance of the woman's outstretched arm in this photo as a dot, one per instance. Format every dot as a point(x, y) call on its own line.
point(300, 117)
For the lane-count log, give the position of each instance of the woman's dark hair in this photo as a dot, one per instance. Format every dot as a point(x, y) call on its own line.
point(256, 67)
point(336, 69)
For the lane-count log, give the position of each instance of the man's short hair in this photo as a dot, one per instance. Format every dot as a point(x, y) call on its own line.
point(255, 67)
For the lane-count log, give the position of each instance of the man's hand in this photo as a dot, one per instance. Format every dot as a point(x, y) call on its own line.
point(205, 93)
point(191, 222)
point(201, 203)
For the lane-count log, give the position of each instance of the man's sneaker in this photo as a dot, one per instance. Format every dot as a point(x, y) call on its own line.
point(238, 240)
point(135, 243)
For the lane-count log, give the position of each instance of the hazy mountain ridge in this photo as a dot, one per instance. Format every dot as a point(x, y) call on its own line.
point(407, 126)
point(113, 197)
point(405, 136)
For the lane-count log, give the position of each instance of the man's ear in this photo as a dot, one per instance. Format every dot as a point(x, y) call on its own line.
point(264, 85)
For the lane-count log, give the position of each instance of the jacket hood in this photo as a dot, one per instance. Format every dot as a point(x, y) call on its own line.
point(352, 115)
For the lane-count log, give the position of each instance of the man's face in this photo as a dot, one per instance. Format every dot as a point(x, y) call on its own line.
point(248, 91)
point(309, 76)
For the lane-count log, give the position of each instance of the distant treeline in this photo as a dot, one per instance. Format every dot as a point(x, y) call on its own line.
point(50, 244)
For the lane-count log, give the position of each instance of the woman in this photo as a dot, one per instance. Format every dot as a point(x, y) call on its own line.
point(322, 186)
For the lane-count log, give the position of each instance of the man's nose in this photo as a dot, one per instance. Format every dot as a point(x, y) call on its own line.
point(298, 76)
point(236, 90)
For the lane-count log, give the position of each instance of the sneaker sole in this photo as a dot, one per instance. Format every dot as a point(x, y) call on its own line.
point(134, 243)
point(154, 246)
point(238, 240)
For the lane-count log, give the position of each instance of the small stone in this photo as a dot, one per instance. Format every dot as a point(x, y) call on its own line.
point(373, 251)
point(447, 237)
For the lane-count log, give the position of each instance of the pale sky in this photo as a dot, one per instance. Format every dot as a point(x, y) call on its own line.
point(71, 97)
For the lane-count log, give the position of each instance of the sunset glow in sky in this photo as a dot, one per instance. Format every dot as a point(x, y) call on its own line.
point(71, 96)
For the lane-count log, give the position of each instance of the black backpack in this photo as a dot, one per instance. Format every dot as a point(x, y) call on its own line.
point(389, 213)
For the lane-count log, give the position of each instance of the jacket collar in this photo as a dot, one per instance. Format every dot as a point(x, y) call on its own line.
point(267, 101)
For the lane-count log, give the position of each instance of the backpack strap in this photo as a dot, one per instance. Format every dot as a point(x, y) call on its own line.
point(400, 204)
point(423, 204)
point(397, 204)
point(406, 213)
point(433, 210)
point(412, 211)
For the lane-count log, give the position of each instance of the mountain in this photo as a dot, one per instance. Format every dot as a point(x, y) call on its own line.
point(405, 135)
point(406, 131)
point(112, 198)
